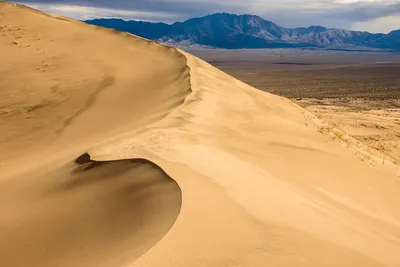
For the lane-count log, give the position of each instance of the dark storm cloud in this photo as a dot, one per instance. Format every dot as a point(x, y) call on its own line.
point(185, 9)
point(288, 13)
point(336, 15)
point(365, 11)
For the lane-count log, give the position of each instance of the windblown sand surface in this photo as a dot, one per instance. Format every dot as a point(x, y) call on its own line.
point(117, 151)
point(376, 123)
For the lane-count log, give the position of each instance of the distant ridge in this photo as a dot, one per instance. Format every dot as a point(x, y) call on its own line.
point(223, 30)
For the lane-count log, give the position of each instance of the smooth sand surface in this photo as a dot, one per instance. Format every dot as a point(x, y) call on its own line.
point(117, 151)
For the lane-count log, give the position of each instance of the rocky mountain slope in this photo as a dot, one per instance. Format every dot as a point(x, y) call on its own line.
point(223, 30)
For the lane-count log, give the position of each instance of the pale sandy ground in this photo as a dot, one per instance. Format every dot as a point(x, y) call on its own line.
point(257, 180)
point(373, 122)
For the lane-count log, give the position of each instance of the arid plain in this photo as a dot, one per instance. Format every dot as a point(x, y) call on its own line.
point(357, 92)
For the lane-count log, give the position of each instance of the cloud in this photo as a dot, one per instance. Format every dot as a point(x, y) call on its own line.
point(87, 12)
point(383, 24)
point(371, 15)
point(348, 14)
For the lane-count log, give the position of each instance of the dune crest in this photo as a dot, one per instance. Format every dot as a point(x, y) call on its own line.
point(256, 183)
point(278, 176)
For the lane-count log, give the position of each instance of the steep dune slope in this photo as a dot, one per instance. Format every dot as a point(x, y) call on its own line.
point(91, 215)
point(256, 183)
point(54, 70)
point(64, 87)
point(261, 185)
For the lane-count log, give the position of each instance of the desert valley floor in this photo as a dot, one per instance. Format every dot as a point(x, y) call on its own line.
point(357, 92)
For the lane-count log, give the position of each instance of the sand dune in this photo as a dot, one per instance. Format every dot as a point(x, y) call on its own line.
point(79, 216)
point(255, 183)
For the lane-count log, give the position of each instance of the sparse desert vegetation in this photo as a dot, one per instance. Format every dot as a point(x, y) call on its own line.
point(358, 93)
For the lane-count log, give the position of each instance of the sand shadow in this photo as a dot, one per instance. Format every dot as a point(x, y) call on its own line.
point(94, 214)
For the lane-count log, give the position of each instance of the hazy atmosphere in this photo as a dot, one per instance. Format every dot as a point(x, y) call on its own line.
point(365, 15)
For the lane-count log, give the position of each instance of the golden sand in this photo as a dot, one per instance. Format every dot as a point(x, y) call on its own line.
point(118, 151)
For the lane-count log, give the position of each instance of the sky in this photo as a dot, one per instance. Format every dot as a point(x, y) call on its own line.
point(365, 15)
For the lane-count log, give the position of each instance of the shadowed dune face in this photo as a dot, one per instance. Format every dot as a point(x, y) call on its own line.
point(88, 214)
point(65, 87)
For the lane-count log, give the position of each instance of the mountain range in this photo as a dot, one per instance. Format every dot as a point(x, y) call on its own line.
point(223, 30)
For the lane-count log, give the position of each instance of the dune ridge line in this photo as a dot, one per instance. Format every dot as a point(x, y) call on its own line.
point(181, 164)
